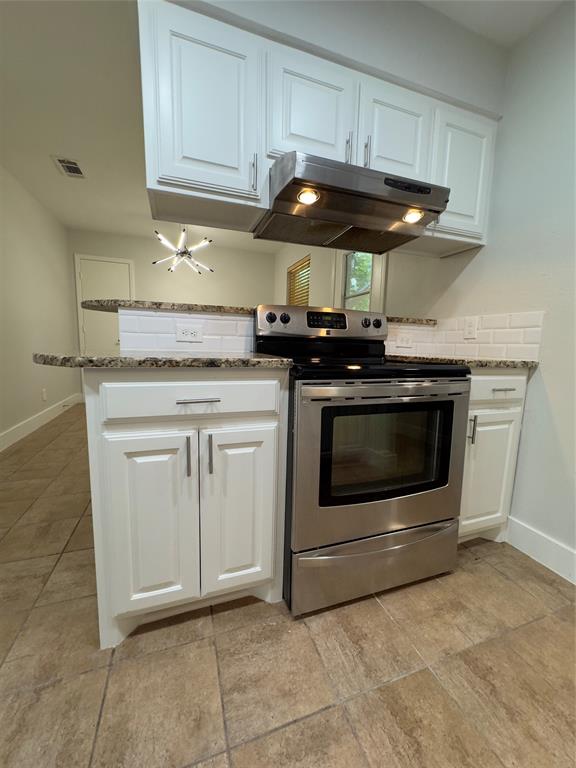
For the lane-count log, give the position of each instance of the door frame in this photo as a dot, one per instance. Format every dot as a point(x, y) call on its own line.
point(77, 262)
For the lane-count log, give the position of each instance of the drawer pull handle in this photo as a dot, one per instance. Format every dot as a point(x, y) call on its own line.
point(210, 455)
point(472, 437)
point(199, 400)
point(503, 389)
point(188, 457)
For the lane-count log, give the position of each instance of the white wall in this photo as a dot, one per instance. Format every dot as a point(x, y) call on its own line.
point(241, 278)
point(321, 273)
point(37, 308)
point(404, 40)
point(529, 264)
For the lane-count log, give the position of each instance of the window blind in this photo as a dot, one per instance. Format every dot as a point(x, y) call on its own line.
point(298, 291)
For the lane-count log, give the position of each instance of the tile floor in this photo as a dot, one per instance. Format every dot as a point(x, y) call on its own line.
point(473, 669)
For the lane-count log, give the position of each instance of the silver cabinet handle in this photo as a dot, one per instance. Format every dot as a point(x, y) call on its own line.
point(210, 455)
point(254, 172)
point(367, 151)
point(472, 437)
point(195, 401)
point(503, 389)
point(188, 457)
point(349, 147)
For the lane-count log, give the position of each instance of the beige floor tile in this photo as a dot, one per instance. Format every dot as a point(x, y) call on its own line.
point(83, 536)
point(413, 723)
point(11, 511)
point(245, 611)
point(361, 646)
point(481, 547)
point(52, 727)
point(64, 484)
point(16, 490)
point(177, 630)
point(35, 540)
point(162, 710)
point(5, 474)
point(429, 616)
point(22, 581)
point(37, 472)
point(511, 704)
point(324, 740)
point(10, 624)
point(46, 509)
point(220, 761)
point(57, 640)
point(74, 576)
point(3, 532)
point(88, 510)
point(270, 674)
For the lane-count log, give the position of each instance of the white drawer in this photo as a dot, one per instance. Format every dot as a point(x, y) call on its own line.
point(187, 398)
point(497, 388)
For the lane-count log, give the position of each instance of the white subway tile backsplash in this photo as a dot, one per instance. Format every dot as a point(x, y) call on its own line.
point(494, 321)
point(218, 327)
point(138, 341)
point(466, 350)
point(526, 319)
point(492, 351)
point(454, 336)
point(523, 351)
point(507, 336)
point(484, 337)
point(445, 350)
point(532, 335)
point(156, 324)
point(448, 324)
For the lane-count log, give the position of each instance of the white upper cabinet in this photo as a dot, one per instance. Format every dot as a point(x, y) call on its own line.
point(312, 105)
point(463, 150)
point(201, 82)
point(395, 129)
point(238, 467)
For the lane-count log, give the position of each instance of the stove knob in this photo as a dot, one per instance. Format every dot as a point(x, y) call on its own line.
point(284, 318)
point(377, 323)
point(366, 322)
point(271, 317)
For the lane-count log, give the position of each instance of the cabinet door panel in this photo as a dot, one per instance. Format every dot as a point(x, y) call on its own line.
point(153, 517)
point(208, 81)
point(489, 469)
point(311, 105)
point(463, 156)
point(395, 129)
point(238, 506)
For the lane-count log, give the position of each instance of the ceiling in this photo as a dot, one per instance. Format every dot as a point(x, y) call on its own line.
point(71, 86)
point(504, 22)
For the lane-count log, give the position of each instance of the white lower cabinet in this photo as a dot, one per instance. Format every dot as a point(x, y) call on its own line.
point(152, 513)
point(489, 467)
point(237, 502)
point(191, 514)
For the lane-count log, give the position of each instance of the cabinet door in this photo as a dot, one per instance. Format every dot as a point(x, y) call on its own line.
point(463, 150)
point(395, 132)
point(489, 467)
point(311, 105)
point(207, 89)
point(238, 469)
point(152, 515)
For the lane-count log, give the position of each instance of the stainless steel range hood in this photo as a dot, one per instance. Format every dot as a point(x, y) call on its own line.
point(346, 206)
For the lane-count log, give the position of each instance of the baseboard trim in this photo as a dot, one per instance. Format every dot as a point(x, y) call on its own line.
point(543, 548)
point(26, 427)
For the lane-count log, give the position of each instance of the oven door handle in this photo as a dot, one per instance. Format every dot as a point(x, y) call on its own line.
point(321, 561)
point(380, 392)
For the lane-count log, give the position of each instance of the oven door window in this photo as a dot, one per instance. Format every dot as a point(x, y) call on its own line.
point(376, 452)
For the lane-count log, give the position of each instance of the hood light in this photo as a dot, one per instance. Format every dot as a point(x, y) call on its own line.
point(413, 216)
point(308, 196)
point(354, 367)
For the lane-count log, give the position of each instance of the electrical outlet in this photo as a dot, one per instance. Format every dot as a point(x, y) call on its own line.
point(404, 340)
point(190, 332)
point(44, 395)
point(471, 327)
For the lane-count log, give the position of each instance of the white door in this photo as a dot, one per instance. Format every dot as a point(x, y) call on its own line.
point(489, 467)
point(395, 132)
point(153, 520)
point(463, 149)
point(312, 105)
point(238, 468)
point(207, 80)
point(101, 279)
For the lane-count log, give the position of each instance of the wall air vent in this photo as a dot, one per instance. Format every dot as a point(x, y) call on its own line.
point(68, 167)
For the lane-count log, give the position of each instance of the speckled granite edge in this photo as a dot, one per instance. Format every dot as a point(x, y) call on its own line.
point(87, 361)
point(113, 305)
point(469, 361)
point(412, 320)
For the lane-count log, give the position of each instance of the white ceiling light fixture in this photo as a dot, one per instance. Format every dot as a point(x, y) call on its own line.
point(182, 253)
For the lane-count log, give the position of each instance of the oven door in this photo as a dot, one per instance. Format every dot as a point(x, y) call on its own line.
point(374, 458)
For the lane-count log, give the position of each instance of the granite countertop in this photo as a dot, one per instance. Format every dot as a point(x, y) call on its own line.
point(469, 361)
point(253, 360)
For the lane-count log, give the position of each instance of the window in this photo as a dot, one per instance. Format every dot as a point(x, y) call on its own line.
point(298, 290)
point(358, 280)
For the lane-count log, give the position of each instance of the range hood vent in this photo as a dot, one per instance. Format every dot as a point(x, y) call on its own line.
point(354, 208)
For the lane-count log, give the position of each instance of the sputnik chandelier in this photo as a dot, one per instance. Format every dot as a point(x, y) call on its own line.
point(182, 254)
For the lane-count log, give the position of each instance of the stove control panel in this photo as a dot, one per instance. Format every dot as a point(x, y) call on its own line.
point(277, 320)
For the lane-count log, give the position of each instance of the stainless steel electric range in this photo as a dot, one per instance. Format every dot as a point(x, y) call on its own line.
point(375, 457)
